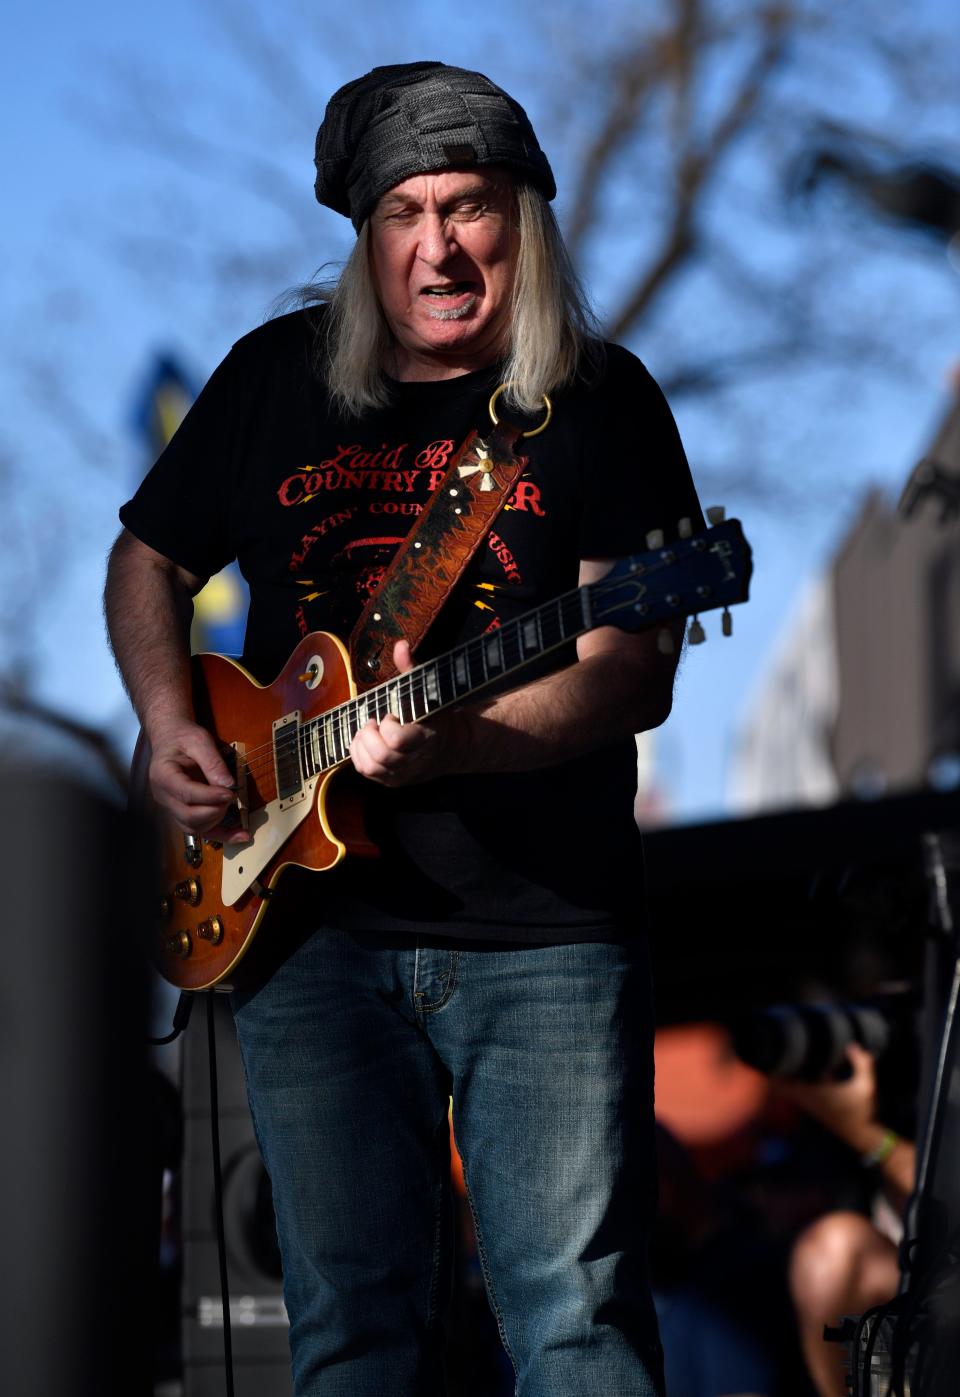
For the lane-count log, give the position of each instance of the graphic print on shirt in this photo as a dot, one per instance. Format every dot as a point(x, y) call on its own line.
point(367, 500)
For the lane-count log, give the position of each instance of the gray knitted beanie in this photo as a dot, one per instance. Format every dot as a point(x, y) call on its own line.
point(409, 118)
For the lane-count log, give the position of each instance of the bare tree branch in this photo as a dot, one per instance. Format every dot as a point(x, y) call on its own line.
point(696, 166)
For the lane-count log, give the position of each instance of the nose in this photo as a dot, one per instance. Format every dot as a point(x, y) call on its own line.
point(437, 244)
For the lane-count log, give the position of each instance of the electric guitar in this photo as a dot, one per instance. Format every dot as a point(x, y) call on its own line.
point(286, 741)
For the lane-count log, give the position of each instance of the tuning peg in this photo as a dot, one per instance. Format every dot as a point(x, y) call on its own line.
point(684, 528)
point(696, 635)
point(726, 622)
point(655, 538)
point(716, 513)
point(665, 642)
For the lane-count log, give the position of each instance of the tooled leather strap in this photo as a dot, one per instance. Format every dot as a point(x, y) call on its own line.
point(433, 557)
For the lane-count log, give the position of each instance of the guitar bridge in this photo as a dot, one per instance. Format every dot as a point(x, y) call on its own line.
point(239, 768)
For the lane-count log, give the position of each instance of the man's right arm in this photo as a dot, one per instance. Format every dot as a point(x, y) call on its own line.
point(148, 603)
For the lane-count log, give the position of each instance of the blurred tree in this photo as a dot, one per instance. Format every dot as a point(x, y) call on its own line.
point(675, 129)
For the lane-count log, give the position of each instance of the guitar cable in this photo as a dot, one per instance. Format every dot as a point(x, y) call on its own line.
point(218, 1193)
point(181, 1017)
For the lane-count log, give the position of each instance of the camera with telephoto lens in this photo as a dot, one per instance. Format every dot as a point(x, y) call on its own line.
point(808, 1042)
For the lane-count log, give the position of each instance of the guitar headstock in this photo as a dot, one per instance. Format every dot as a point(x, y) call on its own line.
point(696, 573)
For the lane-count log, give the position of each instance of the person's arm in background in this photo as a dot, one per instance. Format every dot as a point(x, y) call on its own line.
point(848, 1109)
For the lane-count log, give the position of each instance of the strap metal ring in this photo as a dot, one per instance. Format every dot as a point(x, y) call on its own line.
point(535, 432)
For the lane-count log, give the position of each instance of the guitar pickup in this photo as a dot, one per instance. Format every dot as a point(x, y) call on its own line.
point(286, 759)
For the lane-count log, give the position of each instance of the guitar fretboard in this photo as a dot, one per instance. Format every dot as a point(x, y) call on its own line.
point(324, 742)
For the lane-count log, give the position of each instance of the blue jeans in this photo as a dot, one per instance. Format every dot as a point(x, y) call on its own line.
point(351, 1050)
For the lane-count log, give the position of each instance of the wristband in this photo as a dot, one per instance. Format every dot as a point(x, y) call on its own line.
point(882, 1152)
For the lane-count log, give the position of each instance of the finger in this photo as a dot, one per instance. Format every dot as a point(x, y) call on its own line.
point(204, 751)
point(403, 656)
point(372, 755)
point(171, 780)
point(402, 737)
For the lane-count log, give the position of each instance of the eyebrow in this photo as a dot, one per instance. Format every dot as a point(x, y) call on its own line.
point(471, 191)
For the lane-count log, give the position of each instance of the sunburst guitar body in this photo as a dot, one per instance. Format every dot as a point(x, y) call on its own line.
point(212, 897)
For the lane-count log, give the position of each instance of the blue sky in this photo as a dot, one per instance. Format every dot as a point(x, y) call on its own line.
point(88, 298)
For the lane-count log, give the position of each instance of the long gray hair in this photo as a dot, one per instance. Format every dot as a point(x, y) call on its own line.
point(553, 332)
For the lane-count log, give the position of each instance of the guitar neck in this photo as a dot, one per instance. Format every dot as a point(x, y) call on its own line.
point(449, 679)
point(690, 575)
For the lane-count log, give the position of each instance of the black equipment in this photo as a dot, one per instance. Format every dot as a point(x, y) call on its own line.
point(261, 1356)
point(808, 1042)
point(81, 1160)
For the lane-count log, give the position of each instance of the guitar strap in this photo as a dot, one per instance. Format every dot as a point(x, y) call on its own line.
point(433, 557)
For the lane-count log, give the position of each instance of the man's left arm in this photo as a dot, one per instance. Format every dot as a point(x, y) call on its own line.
point(621, 684)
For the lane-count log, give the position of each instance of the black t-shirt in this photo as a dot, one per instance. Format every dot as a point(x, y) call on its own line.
point(314, 505)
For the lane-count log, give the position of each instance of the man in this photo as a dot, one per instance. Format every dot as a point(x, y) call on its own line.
point(494, 952)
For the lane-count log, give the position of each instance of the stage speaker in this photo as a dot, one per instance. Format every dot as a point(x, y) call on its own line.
point(80, 1165)
point(261, 1357)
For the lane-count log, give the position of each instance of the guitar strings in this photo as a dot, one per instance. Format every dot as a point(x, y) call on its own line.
point(260, 761)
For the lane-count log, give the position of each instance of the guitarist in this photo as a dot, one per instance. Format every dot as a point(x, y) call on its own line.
point(496, 949)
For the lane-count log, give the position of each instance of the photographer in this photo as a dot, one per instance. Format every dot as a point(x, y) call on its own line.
point(846, 1262)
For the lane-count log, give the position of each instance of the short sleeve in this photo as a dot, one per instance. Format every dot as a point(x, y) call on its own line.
point(636, 476)
point(182, 507)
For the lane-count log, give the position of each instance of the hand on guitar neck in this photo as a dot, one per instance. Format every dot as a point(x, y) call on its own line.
point(400, 754)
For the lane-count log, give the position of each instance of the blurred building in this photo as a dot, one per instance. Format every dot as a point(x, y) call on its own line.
point(862, 697)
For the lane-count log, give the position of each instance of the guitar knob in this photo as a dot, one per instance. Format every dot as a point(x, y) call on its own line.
point(726, 622)
point(192, 850)
point(188, 891)
point(684, 528)
point(178, 943)
point(665, 642)
point(655, 538)
point(696, 635)
point(716, 513)
point(166, 907)
point(211, 930)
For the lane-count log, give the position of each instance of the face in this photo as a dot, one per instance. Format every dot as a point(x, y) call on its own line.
point(443, 250)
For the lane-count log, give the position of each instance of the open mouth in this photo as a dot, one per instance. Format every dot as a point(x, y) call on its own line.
point(450, 300)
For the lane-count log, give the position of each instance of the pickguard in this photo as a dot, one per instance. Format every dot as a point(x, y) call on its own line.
point(270, 827)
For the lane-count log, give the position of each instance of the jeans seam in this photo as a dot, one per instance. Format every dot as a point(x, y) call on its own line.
point(437, 1256)
point(448, 988)
point(487, 1278)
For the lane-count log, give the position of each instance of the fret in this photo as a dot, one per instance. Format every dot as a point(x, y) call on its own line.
point(330, 738)
point(551, 629)
point(316, 747)
point(306, 756)
point(492, 653)
point(431, 685)
point(446, 681)
point(407, 697)
point(511, 649)
point(477, 659)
